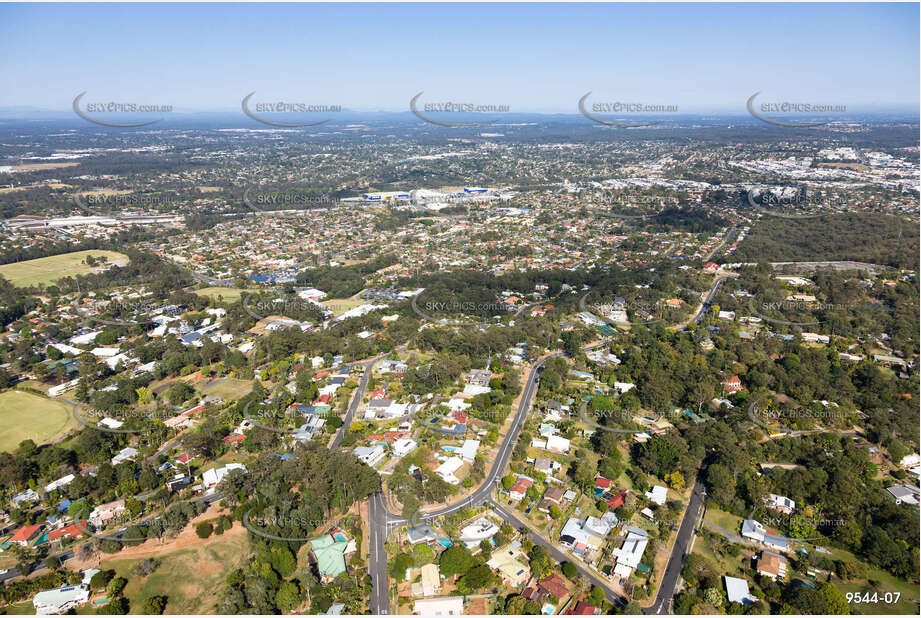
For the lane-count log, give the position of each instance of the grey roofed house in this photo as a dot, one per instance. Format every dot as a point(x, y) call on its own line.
point(380, 403)
point(737, 590)
point(421, 534)
point(542, 464)
point(905, 494)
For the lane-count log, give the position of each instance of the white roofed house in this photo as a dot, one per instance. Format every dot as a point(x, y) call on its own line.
point(106, 513)
point(469, 449)
point(737, 590)
point(126, 454)
point(631, 552)
point(557, 444)
point(64, 481)
point(60, 600)
point(404, 446)
point(780, 503)
point(370, 455)
point(447, 469)
point(211, 478)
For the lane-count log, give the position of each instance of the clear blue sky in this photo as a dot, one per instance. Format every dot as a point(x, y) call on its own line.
point(537, 57)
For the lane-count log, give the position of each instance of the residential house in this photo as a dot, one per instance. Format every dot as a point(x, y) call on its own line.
point(126, 454)
point(60, 600)
point(557, 444)
point(480, 530)
point(511, 563)
point(755, 531)
point(737, 590)
point(370, 455)
point(439, 606)
point(905, 494)
point(520, 487)
point(553, 496)
point(61, 482)
point(447, 469)
point(732, 385)
point(631, 552)
point(421, 534)
point(469, 449)
point(555, 586)
point(658, 495)
point(329, 553)
point(211, 478)
point(404, 447)
point(584, 535)
point(430, 581)
point(104, 514)
point(25, 535)
point(583, 609)
point(780, 503)
point(771, 565)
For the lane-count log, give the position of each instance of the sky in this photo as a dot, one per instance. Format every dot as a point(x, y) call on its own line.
point(530, 57)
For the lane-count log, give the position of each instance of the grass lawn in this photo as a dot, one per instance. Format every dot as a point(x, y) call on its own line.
point(883, 582)
point(228, 389)
point(230, 295)
point(24, 415)
point(50, 269)
point(340, 305)
point(191, 577)
point(726, 521)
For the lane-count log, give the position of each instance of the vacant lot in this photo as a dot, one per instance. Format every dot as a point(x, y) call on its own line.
point(230, 295)
point(50, 269)
point(191, 576)
point(27, 416)
point(228, 389)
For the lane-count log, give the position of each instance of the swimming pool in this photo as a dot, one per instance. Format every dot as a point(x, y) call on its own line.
point(446, 543)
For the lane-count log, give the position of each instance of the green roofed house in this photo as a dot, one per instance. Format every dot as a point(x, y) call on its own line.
point(330, 555)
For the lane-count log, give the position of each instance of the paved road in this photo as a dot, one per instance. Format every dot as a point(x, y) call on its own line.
point(705, 307)
point(382, 521)
point(559, 555)
point(356, 399)
point(719, 247)
point(663, 600)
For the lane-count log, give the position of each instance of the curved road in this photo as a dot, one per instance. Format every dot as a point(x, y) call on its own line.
point(382, 521)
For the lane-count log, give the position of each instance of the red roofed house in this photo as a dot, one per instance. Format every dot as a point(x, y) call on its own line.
point(732, 385)
point(617, 501)
point(602, 482)
point(26, 534)
point(73, 531)
point(583, 609)
point(521, 486)
point(711, 267)
point(553, 586)
point(184, 458)
point(234, 440)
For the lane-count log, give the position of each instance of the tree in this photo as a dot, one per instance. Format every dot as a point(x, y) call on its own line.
point(456, 560)
point(399, 564)
point(477, 578)
point(204, 529)
point(570, 570)
point(288, 597)
point(101, 579)
point(555, 511)
point(154, 605)
point(115, 587)
point(541, 563)
point(597, 595)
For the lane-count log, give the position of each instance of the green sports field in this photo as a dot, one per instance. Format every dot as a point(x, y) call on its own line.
point(49, 269)
point(27, 416)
